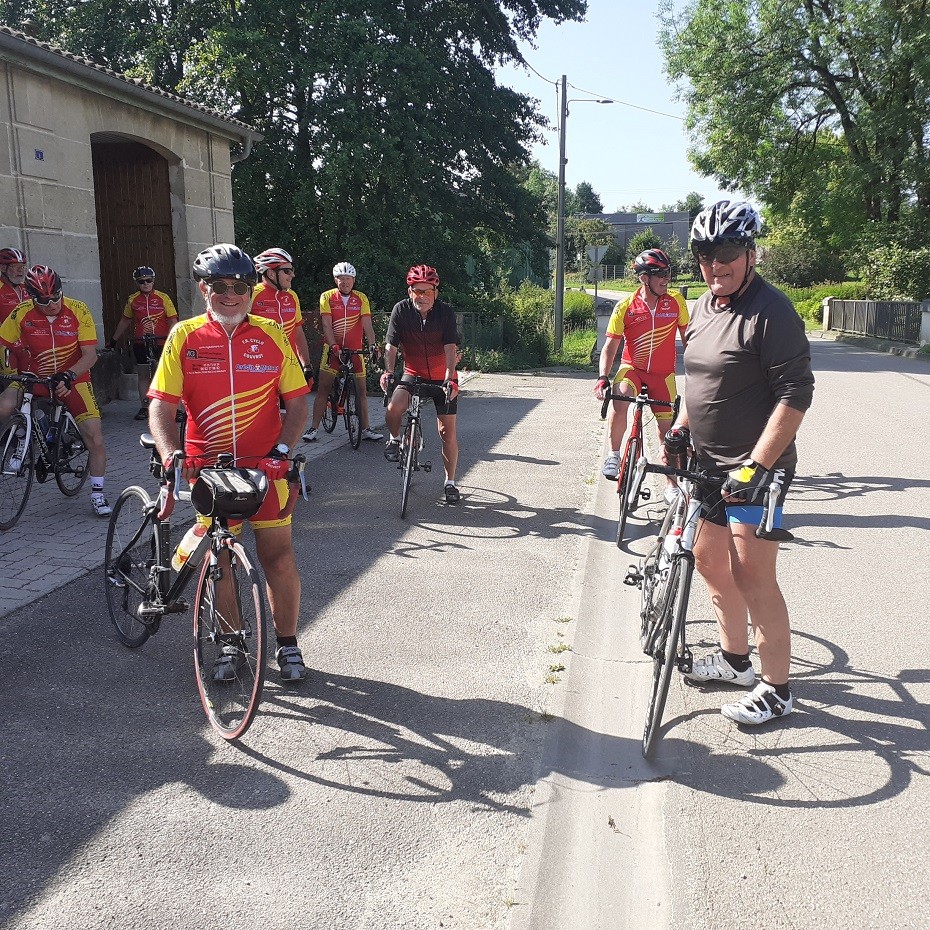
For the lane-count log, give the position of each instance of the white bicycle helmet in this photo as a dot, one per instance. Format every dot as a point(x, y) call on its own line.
point(726, 221)
point(271, 259)
point(344, 268)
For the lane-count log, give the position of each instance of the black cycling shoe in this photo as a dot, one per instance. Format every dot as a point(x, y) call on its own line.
point(392, 450)
point(452, 494)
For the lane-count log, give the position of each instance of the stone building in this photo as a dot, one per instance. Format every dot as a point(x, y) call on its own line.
point(100, 173)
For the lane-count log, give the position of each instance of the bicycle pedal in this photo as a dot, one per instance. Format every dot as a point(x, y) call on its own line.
point(427, 466)
point(686, 662)
point(634, 577)
point(645, 494)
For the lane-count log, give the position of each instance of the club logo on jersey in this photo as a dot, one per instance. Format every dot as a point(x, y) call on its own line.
point(192, 353)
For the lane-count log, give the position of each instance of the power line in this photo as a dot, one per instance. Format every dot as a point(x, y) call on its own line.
point(581, 90)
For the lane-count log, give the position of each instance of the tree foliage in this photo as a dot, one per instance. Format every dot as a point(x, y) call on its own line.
point(387, 140)
point(827, 97)
point(587, 199)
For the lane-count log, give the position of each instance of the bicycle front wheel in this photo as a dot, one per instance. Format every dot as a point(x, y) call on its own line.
point(71, 468)
point(17, 463)
point(132, 551)
point(666, 647)
point(625, 484)
point(408, 459)
point(230, 640)
point(330, 414)
point(353, 420)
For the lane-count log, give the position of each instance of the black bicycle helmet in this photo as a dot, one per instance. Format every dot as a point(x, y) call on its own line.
point(651, 260)
point(224, 261)
point(143, 271)
point(726, 221)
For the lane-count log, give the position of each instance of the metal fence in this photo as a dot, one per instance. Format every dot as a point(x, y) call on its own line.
point(888, 319)
point(478, 333)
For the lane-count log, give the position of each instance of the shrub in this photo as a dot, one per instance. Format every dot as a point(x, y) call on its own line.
point(895, 272)
point(808, 301)
point(646, 239)
point(799, 263)
point(578, 311)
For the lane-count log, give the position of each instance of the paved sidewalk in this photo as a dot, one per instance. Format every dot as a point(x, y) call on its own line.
point(59, 539)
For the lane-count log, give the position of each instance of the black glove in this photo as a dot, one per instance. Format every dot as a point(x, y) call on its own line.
point(67, 378)
point(602, 382)
point(744, 484)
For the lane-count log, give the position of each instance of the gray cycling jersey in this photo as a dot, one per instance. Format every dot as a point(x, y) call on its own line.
point(740, 361)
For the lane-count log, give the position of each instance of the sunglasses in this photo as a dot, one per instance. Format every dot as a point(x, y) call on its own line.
point(45, 301)
point(721, 253)
point(145, 280)
point(221, 287)
point(287, 270)
point(660, 273)
point(421, 291)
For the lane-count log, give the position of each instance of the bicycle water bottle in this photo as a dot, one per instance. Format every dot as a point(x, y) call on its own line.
point(42, 423)
point(187, 545)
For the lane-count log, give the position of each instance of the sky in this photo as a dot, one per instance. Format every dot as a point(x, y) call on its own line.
point(626, 154)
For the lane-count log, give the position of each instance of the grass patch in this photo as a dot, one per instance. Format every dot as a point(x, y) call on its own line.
point(557, 667)
point(552, 679)
point(577, 345)
point(559, 647)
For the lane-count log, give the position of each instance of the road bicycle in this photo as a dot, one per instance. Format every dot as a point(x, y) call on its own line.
point(37, 444)
point(343, 399)
point(630, 487)
point(664, 578)
point(230, 615)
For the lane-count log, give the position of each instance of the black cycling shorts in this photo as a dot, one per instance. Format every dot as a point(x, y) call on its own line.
point(437, 392)
point(142, 355)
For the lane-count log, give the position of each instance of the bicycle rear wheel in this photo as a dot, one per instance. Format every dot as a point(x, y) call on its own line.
point(625, 484)
point(17, 464)
point(353, 420)
point(332, 404)
point(666, 644)
point(132, 550)
point(230, 615)
point(71, 468)
point(407, 459)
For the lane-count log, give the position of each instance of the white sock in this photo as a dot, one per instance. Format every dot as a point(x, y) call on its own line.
point(96, 485)
point(395, 438)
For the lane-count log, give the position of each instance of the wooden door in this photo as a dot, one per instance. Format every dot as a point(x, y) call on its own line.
point(133, 199)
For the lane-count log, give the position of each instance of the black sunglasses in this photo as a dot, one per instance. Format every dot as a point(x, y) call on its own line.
point(659, 272)
point(145, 280)
point(724, 254)
point(221, 287)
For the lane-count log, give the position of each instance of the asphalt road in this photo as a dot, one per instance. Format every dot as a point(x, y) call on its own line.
point(428, 775)
point(820, 820)
point(390, 790)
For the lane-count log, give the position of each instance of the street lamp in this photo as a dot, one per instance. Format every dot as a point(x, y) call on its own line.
point(560, 220)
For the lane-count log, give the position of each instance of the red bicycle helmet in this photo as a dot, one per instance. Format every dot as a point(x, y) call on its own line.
point(12, 257)
point(271, 260)
point(651, 260)
point(43, 283)
point(423, 274)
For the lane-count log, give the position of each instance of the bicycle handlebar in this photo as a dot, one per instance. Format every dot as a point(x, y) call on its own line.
point(643, 399)
point(765, 529)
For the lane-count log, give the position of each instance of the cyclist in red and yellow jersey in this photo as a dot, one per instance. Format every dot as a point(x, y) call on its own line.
point(150, 313)
point(346, 317)
point(275, 300)
point(646, 322)
point(56, 338)
point(12, 293)
point(230, 368)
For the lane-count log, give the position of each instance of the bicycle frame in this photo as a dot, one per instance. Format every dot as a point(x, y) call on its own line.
point(48, 454)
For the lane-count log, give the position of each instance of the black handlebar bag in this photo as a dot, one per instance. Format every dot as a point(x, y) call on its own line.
point(229, 493)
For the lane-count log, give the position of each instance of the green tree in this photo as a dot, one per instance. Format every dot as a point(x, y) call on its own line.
point(587, 199)
point(579, 234)
point(692, 204)
point(789, 95)
point(646, 239)
point(387, 140)
point(638, 207)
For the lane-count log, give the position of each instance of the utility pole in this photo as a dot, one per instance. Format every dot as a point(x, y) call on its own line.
point(560, 226)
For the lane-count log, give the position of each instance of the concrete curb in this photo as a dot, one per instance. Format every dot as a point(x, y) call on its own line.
point(877, 345)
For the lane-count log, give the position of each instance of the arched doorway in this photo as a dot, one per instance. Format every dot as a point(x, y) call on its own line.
point(133, 200)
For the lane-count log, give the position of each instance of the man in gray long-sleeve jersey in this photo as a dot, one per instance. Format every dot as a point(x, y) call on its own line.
point(748, 383)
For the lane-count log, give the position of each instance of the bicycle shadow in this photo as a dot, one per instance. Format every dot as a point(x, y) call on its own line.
point(857, 737)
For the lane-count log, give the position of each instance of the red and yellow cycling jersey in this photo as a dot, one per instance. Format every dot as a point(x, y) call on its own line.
point(47, 345)
point(229, 384)
point(346, 316)
point(152, 314)
point(11, 296)
point(281, 306)
point(649, 335)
